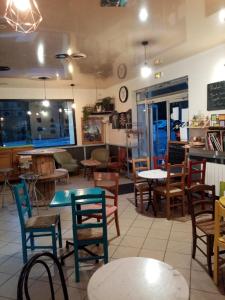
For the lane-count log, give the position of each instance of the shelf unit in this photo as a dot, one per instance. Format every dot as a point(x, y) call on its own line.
point(215, 139)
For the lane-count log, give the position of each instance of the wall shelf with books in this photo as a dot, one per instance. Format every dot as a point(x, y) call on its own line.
point(215, 138)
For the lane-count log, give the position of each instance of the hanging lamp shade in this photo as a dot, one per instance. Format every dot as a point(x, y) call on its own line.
point(23, 15)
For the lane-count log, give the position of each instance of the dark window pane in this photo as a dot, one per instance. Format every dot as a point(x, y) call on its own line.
point(42, 124)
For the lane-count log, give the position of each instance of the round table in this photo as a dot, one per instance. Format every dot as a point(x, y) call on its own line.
point(43, 162)
point(151, 175)
point(43, 165)
point(136, 278)
point(89, 167)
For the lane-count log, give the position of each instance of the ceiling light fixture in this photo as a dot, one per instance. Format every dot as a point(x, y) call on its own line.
point(45, 102)
point(74, 104)
point(145, 69)
point(23, 15)
point(222, 15)
point(143, 14)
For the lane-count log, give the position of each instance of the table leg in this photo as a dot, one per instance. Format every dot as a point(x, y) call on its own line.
point(150, 202)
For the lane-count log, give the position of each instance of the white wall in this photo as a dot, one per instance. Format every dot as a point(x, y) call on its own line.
point(82, 98)
point(201, 69)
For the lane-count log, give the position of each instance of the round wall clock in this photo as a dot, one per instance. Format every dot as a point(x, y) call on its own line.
point(122, 71)
point(123, 94)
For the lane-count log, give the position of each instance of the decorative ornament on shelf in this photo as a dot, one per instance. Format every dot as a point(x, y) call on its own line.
point(23, 15)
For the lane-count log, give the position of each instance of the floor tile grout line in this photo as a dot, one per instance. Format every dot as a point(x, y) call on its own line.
point(167, 242)
point(145, 238)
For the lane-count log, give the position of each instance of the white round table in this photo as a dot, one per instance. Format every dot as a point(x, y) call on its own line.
point(137, 278)
point(153, 174)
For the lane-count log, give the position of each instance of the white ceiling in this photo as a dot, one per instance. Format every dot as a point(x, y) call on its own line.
point(108, 36)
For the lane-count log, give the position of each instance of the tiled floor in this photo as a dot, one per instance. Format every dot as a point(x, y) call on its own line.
point(141, 235)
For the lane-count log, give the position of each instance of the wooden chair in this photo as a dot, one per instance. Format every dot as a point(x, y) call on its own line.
point(219, 240)
point(109, 182)
point(40, 259)
point(202, 203)
point(174, 190)
point(35, 226)
point(196, 172)
point(89, 233)
point(160, 162)
point(118, 162)
point(141, 186)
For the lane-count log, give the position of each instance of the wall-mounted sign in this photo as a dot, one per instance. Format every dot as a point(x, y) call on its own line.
point(216, 96)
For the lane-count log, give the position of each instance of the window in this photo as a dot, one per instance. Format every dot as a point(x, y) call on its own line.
point(38, 123)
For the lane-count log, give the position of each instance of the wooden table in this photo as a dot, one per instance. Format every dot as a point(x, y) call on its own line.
point(136, 278)
point(89, 167)
point(43, 165)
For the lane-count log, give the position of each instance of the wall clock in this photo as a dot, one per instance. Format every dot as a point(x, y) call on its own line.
point(123, 94)
point(122, 71)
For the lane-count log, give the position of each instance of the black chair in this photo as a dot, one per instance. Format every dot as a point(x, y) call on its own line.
point(22, 287)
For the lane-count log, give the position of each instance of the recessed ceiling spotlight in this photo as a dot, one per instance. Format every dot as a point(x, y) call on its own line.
point(4, 68)
point(62, 56)
point(143, 14)
point(78, 55)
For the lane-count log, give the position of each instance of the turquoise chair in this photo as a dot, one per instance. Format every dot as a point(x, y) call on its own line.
point(85, 234)
point(35, 226)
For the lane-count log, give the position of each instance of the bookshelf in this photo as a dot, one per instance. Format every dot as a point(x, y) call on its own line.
point(215, 139)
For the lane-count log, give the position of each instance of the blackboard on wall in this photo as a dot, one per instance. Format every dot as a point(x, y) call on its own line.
point(216, 95)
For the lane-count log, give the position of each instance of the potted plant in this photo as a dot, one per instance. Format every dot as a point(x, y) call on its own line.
point(87, 110)
point(107, 104)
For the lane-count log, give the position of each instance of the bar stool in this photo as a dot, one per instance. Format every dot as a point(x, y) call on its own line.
point(5, 172)
point(31, 181)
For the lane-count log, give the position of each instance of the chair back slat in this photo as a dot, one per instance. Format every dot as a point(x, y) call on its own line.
point(80, 208)
point(196, 172)
point(138, 165)
point(110, 182)
point(201, 200)
point(22, 202)
point(175, 177)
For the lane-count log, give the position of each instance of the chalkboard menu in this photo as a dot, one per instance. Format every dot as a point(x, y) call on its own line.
point(216, 95)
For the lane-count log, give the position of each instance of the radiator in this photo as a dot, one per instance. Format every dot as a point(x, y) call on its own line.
point(214, 174)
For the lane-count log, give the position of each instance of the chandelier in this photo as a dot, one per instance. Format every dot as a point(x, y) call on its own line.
point(23, 15)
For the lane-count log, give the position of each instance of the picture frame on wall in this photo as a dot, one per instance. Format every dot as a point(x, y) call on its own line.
point(129, 119)
point(92, 131)
point(122, 120)
point(115, 120)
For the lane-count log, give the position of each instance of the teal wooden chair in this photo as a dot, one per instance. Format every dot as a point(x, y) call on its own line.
point(35, 226)
point(89, 233)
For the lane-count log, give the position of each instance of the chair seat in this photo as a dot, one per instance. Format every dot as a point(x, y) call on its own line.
point(142, 186)
point(89, 234)
point(207, 226)
point(162, 190)
point(42, 221)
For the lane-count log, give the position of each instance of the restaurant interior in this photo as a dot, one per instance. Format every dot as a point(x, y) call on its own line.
point(112, 149)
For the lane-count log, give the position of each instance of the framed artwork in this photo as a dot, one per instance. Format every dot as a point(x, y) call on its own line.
point(129, 119)
point(122, 120)
point(92, 131)
point(115, 120)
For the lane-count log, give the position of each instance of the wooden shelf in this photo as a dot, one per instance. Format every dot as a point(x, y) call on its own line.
point(101, 113)
point(192, 127)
